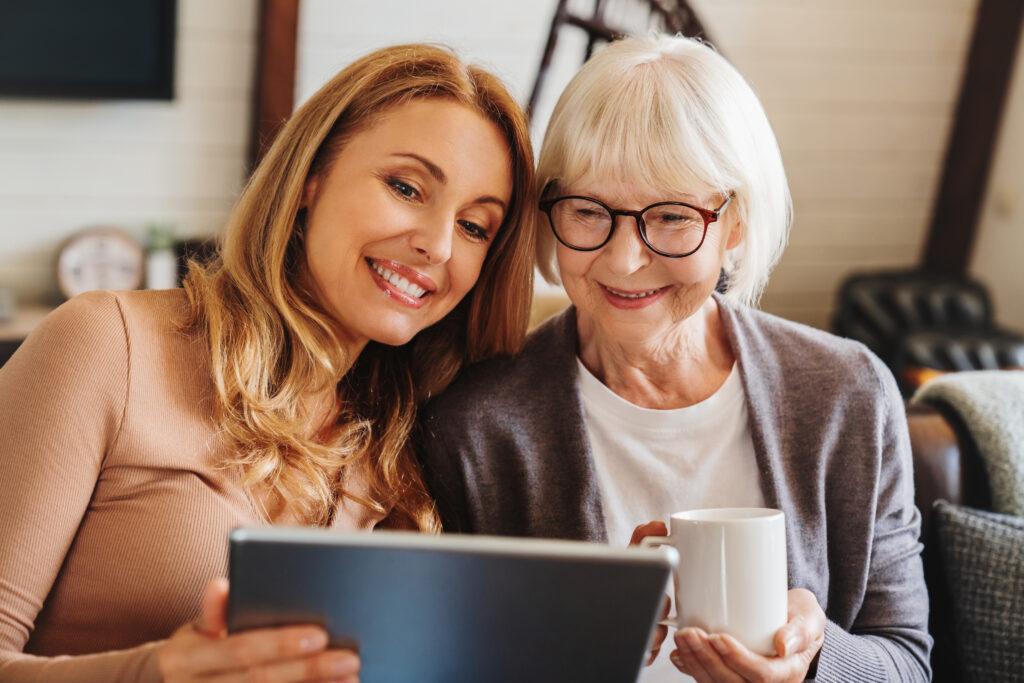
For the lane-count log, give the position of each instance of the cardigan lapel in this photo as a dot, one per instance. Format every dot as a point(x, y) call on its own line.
point(757, 369)
point(576, 505)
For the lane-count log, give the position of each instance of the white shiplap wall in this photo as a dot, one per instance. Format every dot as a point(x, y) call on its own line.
point(860, 92)
point(65, 165)
point(998, 258)
point(861, 95)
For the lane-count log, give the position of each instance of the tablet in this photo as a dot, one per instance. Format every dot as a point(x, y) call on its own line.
point(447, 609)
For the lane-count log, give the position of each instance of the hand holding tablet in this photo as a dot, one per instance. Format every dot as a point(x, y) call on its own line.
point(455, 608)
point(287, 654)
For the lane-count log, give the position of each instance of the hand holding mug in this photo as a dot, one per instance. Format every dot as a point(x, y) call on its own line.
point(204, 651)
point(719, 658)
point(732, 573)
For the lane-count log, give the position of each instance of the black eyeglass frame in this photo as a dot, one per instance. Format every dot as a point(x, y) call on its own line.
point(709, 216)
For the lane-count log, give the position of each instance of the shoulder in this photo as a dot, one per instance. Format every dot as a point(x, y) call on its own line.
point(164, 309)
point(101, 310)
point(90, 323)
point(794, 354)
point(106, 327)
point(501, 382)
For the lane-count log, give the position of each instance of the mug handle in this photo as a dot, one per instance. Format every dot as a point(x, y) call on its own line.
point(657, 542)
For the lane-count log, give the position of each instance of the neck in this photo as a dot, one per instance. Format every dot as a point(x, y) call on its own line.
point(674, 368)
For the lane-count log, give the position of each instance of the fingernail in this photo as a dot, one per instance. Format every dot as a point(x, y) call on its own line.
point(677, 661)
point(789, 645)
point(345, 664)
point(314, 641)
point(691, 638)
point(719, 644)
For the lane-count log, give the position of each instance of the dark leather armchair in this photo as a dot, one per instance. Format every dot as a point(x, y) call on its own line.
point(913, 319)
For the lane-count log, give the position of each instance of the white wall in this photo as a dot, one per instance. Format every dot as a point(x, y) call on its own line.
point(861, 94)
point(505, 37)
point(65, 165)
point(998, 258)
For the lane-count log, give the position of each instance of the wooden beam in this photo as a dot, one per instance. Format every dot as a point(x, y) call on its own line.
point(986, 80)
point(275, 73)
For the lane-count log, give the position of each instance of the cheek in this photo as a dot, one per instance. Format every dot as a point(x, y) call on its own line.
point(467, 271)
point(573, 265)
point(322, 248)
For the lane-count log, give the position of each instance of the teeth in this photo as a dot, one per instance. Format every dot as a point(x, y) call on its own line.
point(634, 296)
point(398, 281)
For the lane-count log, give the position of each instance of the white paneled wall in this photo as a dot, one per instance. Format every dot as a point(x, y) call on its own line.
point(999, 253)
point(504, 37)
point(861, 94)
point(65, 165)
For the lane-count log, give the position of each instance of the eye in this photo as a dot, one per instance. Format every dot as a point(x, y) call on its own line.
point(401, 187)
point(474, 231)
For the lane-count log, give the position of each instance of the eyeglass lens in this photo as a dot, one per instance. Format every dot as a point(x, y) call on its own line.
point(670, 228)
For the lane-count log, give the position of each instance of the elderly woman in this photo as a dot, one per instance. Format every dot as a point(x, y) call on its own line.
point(661, 389)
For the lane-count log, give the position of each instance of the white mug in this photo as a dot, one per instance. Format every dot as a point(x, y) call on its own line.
point(732, 575)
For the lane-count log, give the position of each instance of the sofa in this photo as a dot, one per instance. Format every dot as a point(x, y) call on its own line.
point(973, 552)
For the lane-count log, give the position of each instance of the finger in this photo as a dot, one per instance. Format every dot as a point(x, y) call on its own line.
point(252, 648)
point(666, 606)
point(685, 657)
point(707, 657)
point(649, 529)
point(683, 660)
point(335, 665)
point(660, 633)
point(212, 619)
point(805, 626)
point(751, 666)
point(793, 637)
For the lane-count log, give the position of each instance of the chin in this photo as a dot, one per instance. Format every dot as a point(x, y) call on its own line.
point(398, 330)
point(393, 337)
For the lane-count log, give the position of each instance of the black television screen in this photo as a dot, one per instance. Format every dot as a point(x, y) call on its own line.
point(87, 48)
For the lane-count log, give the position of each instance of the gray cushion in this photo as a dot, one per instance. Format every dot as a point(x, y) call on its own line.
point(983, 554)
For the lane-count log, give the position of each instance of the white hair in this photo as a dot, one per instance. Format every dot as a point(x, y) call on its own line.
point(671, 113)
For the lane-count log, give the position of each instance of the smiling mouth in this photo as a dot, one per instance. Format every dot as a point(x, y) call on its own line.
point(397, 281)
point(632, 295)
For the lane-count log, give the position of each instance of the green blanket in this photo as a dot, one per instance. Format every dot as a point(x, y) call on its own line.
point(991, 405)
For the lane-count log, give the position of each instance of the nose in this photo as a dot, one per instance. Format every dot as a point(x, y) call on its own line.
point(625, 253)
point(432, 238)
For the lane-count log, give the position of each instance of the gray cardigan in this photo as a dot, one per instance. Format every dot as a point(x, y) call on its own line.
point(505, 451)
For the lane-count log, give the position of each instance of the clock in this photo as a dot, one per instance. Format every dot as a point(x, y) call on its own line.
point(99, 258)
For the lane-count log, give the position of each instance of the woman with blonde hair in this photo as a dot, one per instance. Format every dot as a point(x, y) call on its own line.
point(384, 241)
point(665, 207)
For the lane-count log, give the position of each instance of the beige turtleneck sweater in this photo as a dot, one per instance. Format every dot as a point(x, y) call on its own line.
point(114, 513)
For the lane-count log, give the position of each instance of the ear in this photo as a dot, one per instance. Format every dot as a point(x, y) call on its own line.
point(309, 190)
point(737, 231)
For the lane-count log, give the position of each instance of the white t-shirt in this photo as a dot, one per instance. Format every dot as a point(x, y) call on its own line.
point(651, 463)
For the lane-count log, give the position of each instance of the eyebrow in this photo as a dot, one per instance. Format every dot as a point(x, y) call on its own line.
point(431, 167)
point(435, 171)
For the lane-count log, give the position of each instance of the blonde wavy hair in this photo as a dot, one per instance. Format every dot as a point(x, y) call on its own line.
point(271, 342)
point(671, 113)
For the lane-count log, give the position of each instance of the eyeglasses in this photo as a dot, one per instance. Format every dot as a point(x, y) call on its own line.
point(671, 229)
